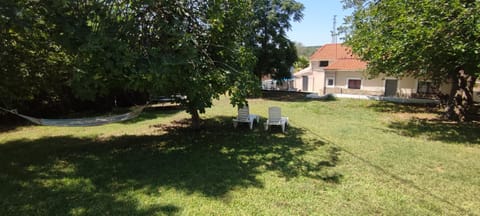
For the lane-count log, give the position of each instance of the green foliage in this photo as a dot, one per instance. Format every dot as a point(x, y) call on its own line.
point(418, 38)
point(245, 86)
point(32, 64)
point(195, 48)
point(211, 58)
point(435, 40)
point(305, 51)
point(274, 51)
point(301, 63)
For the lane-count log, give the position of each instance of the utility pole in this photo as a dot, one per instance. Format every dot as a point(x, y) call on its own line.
point(334, 30)
point(334, 34)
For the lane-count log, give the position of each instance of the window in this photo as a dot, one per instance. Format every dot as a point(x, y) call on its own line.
point(330, 82)
point(354, 83)
point(323, 63)
point(426, 87)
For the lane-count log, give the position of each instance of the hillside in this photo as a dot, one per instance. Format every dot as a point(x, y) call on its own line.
point(306, 51)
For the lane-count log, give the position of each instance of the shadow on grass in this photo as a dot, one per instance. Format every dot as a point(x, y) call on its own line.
point(433, 129)
point(9, 122)
point(6, 127)
point(389, 107)
point(450, 132)
point(69, 175)
point(12, 123)
point(155, 112)
point(285, 96)
point(290, 96)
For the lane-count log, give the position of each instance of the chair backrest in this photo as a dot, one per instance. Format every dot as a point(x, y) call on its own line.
point(243, 113)
point(274, 114)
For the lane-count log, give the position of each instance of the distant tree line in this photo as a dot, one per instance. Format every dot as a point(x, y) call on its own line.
point(304, 53)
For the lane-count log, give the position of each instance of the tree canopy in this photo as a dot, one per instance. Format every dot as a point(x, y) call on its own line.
point(54, 50)
point(435, 40)
point(274, 51)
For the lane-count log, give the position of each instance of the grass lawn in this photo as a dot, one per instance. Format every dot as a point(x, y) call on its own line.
point(343, 157)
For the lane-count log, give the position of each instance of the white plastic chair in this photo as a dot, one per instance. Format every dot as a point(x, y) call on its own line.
point(244, 116)
point(275, 118)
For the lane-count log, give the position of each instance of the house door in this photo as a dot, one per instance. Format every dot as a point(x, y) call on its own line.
point(391, 87)
point(305, 83)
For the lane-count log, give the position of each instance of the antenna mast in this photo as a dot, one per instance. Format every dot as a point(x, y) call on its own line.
point(334, 30)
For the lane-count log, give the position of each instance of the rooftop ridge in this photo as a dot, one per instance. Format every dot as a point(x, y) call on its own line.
point(332, 51)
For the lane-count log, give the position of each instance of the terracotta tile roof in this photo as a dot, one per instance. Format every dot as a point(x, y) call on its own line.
point(340, 57)
point(331, 51)
point(347, 64)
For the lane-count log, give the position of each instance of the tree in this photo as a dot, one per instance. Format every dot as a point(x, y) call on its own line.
point(437, 40)
point(274, 51)
point(301, 63)
point(213, 60)
point(32, 64)
point(194, 48)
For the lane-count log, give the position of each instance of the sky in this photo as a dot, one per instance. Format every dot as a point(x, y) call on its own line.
point(317, 24)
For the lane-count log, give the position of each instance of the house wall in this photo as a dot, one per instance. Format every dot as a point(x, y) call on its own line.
point(342, 76)
point(298, 78)
point(316, 79)
point(319, 81)
point(376, 85)
point(297, 83)
point(316, 64)
point(407, 86)
point(328, 89)
point(445, 88)
point(311, 80)
point(368, 87)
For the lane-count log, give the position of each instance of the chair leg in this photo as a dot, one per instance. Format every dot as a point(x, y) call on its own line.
point(251, 125)
point(283, 128)
point(235, 124)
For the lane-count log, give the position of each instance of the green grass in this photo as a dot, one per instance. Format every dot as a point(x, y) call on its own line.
point(342, 157)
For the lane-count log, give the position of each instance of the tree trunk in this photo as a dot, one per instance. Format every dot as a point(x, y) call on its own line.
point(195, 119)
point(461, 96)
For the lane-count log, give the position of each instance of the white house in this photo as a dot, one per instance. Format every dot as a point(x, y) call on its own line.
point(333, 69)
